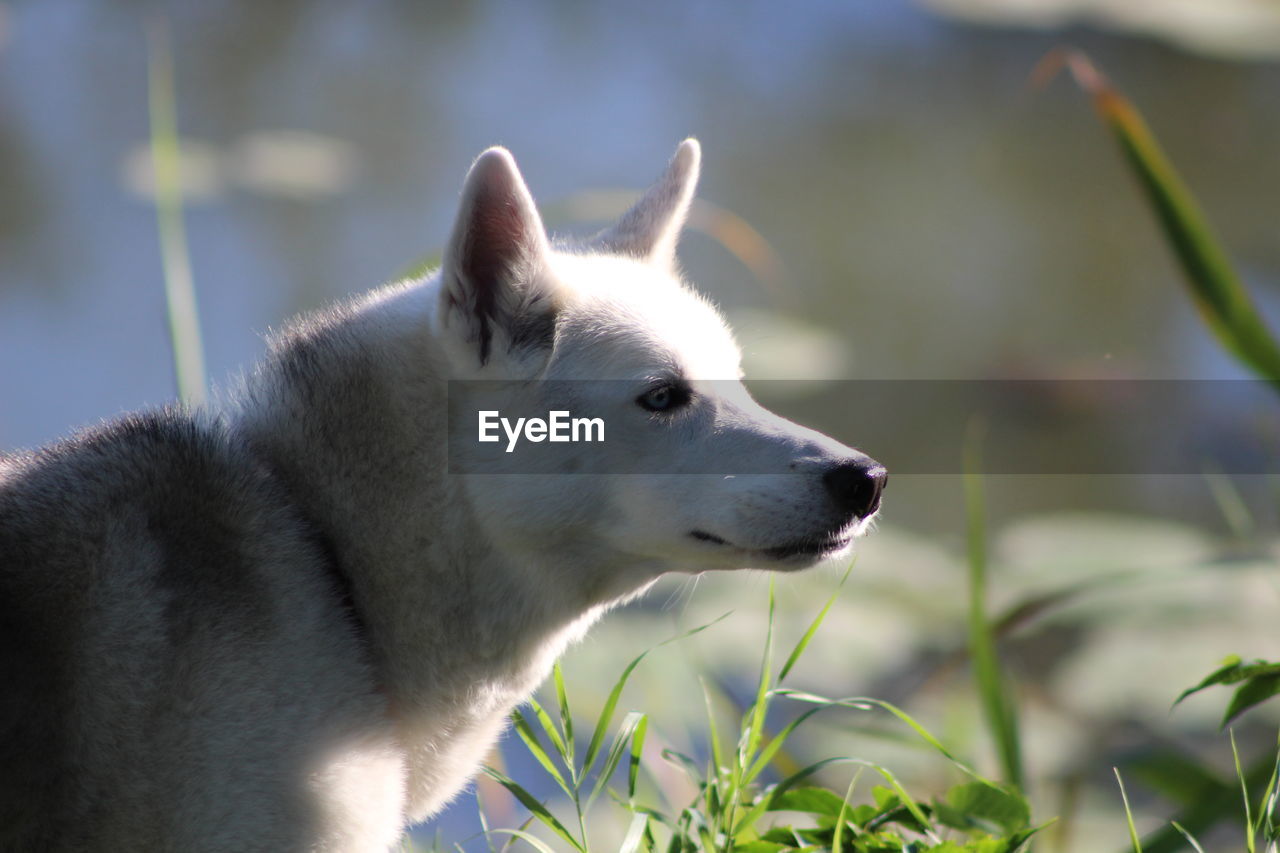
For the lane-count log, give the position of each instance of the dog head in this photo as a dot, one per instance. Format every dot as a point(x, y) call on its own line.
point(693, 473)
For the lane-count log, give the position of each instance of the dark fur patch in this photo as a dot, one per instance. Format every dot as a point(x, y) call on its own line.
point(491, 262)
point(535, 326)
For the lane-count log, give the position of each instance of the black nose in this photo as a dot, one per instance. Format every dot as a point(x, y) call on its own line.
point(856, 486)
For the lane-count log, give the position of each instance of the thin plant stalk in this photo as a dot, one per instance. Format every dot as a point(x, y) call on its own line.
point(179, 285)
point(997, 704)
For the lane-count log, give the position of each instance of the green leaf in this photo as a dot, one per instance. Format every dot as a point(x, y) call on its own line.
point(535, 747)
point(566, 715)
point(1225, 674)
point(978, 804)
point(531, 803)
point(804, 773)
point(886, 798)
point(637, 749)
point(1261, 681)
point(549, 727)
point(630, 724)
point(1257, 689)
point(1224, 304)
point(810, 800)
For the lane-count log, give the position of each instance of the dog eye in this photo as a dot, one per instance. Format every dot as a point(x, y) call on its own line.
point(663, 398)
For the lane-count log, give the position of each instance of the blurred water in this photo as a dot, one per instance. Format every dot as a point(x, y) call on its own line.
point(933, 218)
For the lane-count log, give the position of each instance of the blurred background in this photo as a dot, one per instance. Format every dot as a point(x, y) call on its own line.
point(883, 197)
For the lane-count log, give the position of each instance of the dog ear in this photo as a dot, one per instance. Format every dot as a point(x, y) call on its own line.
point(494, 260)
point(650, 229)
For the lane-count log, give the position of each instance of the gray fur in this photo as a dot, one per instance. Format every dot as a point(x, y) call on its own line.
point(650, 229)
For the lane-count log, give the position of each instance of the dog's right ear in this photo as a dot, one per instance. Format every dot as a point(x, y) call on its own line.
point(650, 229)
point(491, 301)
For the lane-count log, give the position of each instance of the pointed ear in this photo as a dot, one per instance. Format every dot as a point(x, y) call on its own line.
point(650, 229)
point(494, 259)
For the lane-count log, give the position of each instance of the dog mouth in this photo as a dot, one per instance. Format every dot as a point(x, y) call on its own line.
point(807, 547)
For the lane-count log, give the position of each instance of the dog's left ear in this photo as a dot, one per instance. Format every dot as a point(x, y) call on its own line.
point(650, 229)
point(492, 301)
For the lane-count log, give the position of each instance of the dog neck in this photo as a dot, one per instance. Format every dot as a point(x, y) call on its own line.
point(350, 409)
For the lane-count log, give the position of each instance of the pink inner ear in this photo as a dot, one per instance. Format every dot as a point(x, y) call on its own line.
point(502, 230)
point(499, 241)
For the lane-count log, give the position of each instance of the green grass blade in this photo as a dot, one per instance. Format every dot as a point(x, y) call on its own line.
point(633, 761)
point(484, 822)
point(837, 840)
point(813, 627)
point(166, 161)
point(1267, 824)
point(925, 735)
point(1212, 809)
point(685, 763)
point(630, 724)
point(1128, 813)
point(544, 719)
point(863, 703)
point(1222, 299)
point(530, 738)
point(1231, 505)
point(713, 729)
point(754, 731)
point(610, 706)
point(908, 801)
point(775, 743)
point(1244, 794)
point(538, 810)
point(804, 773)
point(635, 833)
point(998, 707)
point(566, 717)
point(532, 840)
point(1191, 839)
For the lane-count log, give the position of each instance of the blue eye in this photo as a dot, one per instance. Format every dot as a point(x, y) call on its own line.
point(664, 398)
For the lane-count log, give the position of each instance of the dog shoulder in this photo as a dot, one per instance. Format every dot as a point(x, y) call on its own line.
point(162, 546)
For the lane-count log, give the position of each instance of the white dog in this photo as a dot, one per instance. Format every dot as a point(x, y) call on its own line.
point(297, 621)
